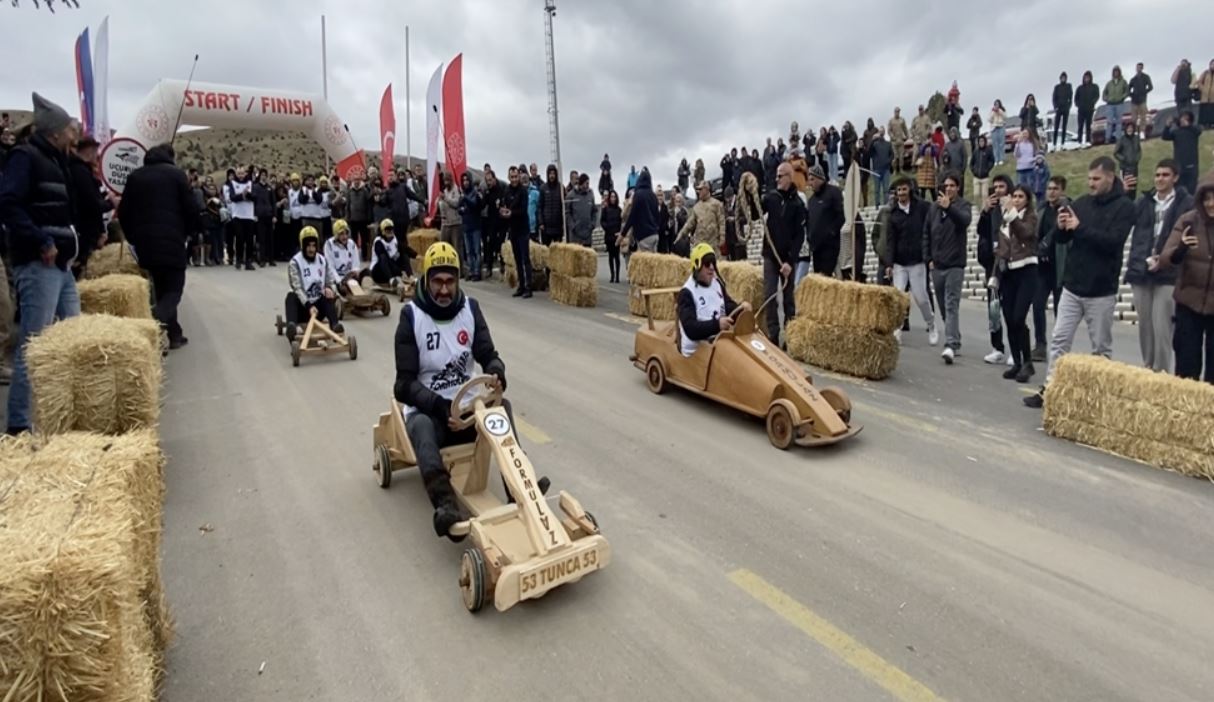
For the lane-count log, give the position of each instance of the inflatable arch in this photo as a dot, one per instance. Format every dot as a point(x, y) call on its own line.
point(231, 106)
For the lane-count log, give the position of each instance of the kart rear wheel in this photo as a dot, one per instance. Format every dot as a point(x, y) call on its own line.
point(655, 376)
point(353, 346)
point(839, 401)
point(781, 429)
point(295, 353)
point(279, 324)
point(383, 466)
point(590, 518)
point(385, 306)
point(472, 579)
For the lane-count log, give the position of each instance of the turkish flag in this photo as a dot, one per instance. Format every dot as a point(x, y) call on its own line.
point(387, 134)
point(453, 119)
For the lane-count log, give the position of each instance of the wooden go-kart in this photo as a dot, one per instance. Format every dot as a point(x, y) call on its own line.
point(317, 339)
point(402, 290)
point(520, 550)
point(741, 368)
point(361, 302)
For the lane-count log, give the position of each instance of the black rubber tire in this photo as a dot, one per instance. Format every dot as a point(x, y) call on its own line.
point(473, 580)
point(295, 353)
point(279, 324)
point(383, 466)
point(353, 347)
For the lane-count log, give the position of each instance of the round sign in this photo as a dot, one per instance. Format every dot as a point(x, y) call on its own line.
point(119, 159)
point(757, 345)
point(497, 424)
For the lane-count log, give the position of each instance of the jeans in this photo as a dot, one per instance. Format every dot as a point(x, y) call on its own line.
point(999, 143)
point(1096, 312)
point(430, 434)
point(948, 299)
point(833, 160)
point(1155, 308)
point(521, 246)
point(1193, 331)
point(1112, 127)
point(7, 313)
point(803, 269)
point(472, 249)
point(169, 284)
point(916, 275)
point(1024, 177)
point(44, 293)
point(771, 285)
point(881, 188)
point(1084, 127)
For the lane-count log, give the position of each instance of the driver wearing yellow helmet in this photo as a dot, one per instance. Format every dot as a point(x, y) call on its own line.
point(703, 304)
point(342, 255)
point(440, 335)
point(313, 285)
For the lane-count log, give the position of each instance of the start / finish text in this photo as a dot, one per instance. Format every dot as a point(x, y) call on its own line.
point(233, 102)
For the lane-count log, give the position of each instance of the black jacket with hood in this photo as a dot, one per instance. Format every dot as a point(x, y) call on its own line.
point(824, 218)
point(907, 231)
point(944, 245)
point(1093, 264)
point(1144, 243)
point(643, 217)
point(36, 203)
point(157, 210)
point(90, 206)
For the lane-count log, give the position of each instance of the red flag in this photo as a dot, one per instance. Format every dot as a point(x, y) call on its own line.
point(387, 134)
point(453, 118)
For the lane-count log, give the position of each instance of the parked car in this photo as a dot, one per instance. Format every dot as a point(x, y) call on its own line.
point(1100, 123)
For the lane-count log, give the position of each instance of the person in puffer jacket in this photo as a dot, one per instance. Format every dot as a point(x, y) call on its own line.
point(1190, 248)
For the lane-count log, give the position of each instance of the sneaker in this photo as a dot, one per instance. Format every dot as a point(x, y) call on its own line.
point(273, 264)
point(898, 335)
point(948, 355)
point(177, 343)
point(1011, 372)
point(933, 336)
point(1011, 361)
point(518, 293)
point(994, 357)
point(1026, 373)
point(527, 295)
point(249, 267)
point(1036, 401)
point(1040, 354)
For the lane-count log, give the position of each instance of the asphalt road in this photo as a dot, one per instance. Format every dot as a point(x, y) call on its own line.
point(950, 551)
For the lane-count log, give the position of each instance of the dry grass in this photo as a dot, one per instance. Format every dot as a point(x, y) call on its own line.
point(857, 352)
point(120, 294)
point(110, 259)
point(1155, 418)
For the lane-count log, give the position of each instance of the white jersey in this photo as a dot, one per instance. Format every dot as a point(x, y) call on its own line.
point(392, 246)
point(310, 209)
point(444, 350)
point(293, 207)
point(344, 259)
point(710, 304)
point(312, 274)
point(242, 209)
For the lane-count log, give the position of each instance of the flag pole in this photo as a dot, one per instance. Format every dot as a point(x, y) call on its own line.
point(408, 101)
point(324, 72)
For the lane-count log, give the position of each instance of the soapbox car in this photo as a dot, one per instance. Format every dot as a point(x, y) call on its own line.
point(361, 302)
point(741, 368)
point(317, 339)
point(520, 549)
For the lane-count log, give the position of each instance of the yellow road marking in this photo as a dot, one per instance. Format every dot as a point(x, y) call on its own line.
point(872, 666)
point(532, 432)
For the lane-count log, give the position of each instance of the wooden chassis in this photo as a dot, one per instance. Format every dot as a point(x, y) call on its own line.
point(318, 339)
point(521, 543)
point(362, 303)
point(742, 369)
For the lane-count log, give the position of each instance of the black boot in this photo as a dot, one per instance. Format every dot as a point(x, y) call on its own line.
point(1026, 372)
point(1011, 372)
point(446, 511)
point(1040, 353)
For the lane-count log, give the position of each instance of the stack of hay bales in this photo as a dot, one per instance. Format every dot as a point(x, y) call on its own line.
point(539, 265)
point(573, 270)
point(1155, 418)
point(119, 294)
point(419, 240)
point(847, 326)
point(81, 606)
point(111, 259)
point(96, 373)
point(744, 283)
point(648, 271)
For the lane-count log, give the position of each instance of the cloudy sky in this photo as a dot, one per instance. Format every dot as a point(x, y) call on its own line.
point(648, 81)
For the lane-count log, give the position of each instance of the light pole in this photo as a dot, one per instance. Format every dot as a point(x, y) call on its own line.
point(554, 128)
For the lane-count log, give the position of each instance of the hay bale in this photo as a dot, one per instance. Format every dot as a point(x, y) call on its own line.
point(573, 260)
point(420, 239)
point(1156, 418)
point(858, 352)
point(652, 270)
point(95, 373)
point(575, 292)
point(539, 266)
point(744, 282)
point(120, 294)
point(846, 303)
point(77, 540)
point(111, 259)
point(662, 306)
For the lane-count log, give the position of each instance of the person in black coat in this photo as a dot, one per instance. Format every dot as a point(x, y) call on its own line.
point(1184, 138)
point(89, 204)
point(157, 214)
point(1064, 95)
point(551, 207)
point(263, 210)
point(824, 222)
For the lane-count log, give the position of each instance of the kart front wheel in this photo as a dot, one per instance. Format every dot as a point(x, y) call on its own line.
point(472, 579)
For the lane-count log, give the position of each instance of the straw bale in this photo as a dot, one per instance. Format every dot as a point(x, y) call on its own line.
point(878, 308)
point(95, 373)
point(1156, 418)
point(77, 540)
point(573, 260)
point(110, 259)
point(744, 283)
point(120, 294)
point(539, 266)
point(858, 352)
point(420, 239)
point(575, 292)
point(653, 270)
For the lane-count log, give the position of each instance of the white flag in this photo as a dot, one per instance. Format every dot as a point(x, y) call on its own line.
point(434, 99)
point(101, 84)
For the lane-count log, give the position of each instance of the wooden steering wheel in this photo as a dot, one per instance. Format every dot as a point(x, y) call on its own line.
point(492, 397)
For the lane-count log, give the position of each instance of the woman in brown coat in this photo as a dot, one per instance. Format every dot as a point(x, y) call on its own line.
point(1191, 247)
point(1017, 259)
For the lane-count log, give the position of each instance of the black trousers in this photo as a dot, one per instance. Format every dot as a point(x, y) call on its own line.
point(1046, 286)
point(520, 244)
point(169, 285)
point(297, 312)
point(428, 435)
point(825, 260)
point(265, 240)
point(1193, 342)
point(613, 255)
point(1085, 126)
point(1060, 121)
point(1017, 290)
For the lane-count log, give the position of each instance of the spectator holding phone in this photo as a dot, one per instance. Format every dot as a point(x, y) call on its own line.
point(1128, 154)
point(1190, 247)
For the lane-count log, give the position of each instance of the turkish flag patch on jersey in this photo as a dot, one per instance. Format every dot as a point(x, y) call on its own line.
point(462, 337)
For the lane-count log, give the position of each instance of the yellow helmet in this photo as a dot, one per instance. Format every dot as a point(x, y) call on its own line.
point(308, 232)
point(698, 254)
point(440, 255)
point(295, 178)
point(386, 223)
point(339, 226)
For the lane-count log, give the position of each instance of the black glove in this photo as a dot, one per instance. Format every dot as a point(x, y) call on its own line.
point(498, 371)
point(442, 406)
